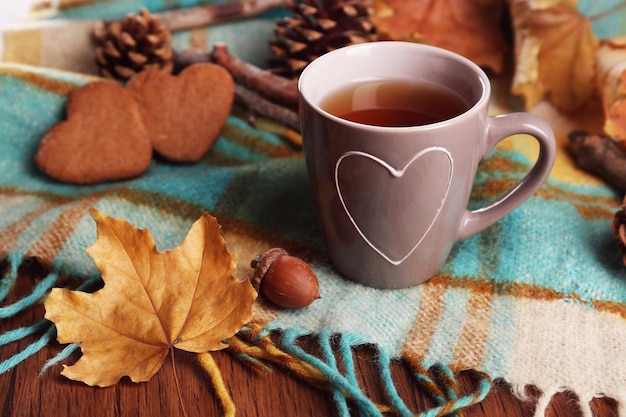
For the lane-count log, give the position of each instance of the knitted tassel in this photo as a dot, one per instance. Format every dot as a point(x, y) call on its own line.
point(10, 277)
point(338, 394)
point(30, 300)
point(337, 380)
point(453, 406)
point(384, 362)
point(35, 297)
point(30, 350)
point(61, 356)
point(254, 345)
point(209, 365)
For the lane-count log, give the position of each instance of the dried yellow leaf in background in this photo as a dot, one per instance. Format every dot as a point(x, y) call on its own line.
point(555, 53)
point(611, 63)
point(151, 302)
point(468, 27)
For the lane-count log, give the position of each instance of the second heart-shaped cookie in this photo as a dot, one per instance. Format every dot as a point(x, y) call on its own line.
point(184, 114)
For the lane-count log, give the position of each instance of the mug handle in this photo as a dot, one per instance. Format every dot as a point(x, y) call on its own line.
point(499, 128)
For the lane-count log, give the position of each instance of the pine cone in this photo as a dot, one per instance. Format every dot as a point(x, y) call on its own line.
point(128, 46)
point(317, 27)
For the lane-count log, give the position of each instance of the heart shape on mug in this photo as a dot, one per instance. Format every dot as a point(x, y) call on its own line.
point(185, 113)
point(371, 198)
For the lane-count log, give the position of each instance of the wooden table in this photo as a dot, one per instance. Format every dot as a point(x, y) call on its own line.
point(25, 394)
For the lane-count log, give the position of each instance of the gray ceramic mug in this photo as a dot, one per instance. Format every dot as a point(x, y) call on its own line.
point(392, 201)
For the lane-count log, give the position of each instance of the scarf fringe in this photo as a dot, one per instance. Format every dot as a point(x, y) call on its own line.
point(208, 364)
point(37, 295)
point(255, 345)
point(7, 285)
point(333, 370)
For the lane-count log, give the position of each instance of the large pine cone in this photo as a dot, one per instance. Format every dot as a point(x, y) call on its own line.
point(131, 45)
point(318, 27)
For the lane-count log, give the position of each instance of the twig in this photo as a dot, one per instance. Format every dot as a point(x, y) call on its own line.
point(255, 101)
point(600, 155)
point(258, 105)
point(199, 16)
point(273, 87)
point(189, 57)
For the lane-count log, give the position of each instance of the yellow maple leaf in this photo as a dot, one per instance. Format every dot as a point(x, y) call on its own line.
point(151, 302)
point(468, 27)
point(555, 49)
point(611, 79)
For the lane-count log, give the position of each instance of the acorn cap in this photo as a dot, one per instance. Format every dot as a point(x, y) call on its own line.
point(261, 264)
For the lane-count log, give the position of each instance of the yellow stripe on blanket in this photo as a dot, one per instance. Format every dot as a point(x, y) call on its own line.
point(61, 44)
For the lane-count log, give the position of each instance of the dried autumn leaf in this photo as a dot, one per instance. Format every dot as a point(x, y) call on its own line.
point(468, 27)
point(555, 49)
point(151, 302)
point(611, 79)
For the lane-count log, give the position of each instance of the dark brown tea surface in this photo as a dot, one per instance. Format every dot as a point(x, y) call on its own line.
point(394, 103)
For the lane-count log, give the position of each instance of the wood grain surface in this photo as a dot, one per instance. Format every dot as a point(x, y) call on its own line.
point(25, 393)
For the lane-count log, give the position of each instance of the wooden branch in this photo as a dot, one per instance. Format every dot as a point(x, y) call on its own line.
point(260, 91)
point(600, 155)
point(257, 105)
point(189, 57)
point(200, 16)
point(271, 86)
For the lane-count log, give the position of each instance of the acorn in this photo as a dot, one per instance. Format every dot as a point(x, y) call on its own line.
point(285, 280)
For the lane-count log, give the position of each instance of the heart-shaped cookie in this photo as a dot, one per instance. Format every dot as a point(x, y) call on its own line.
point(103, 137)
point(184, 114)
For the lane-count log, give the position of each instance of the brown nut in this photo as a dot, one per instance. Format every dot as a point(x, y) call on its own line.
point(285, 280)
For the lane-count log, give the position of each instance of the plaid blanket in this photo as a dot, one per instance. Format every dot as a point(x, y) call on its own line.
point(538, 298)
